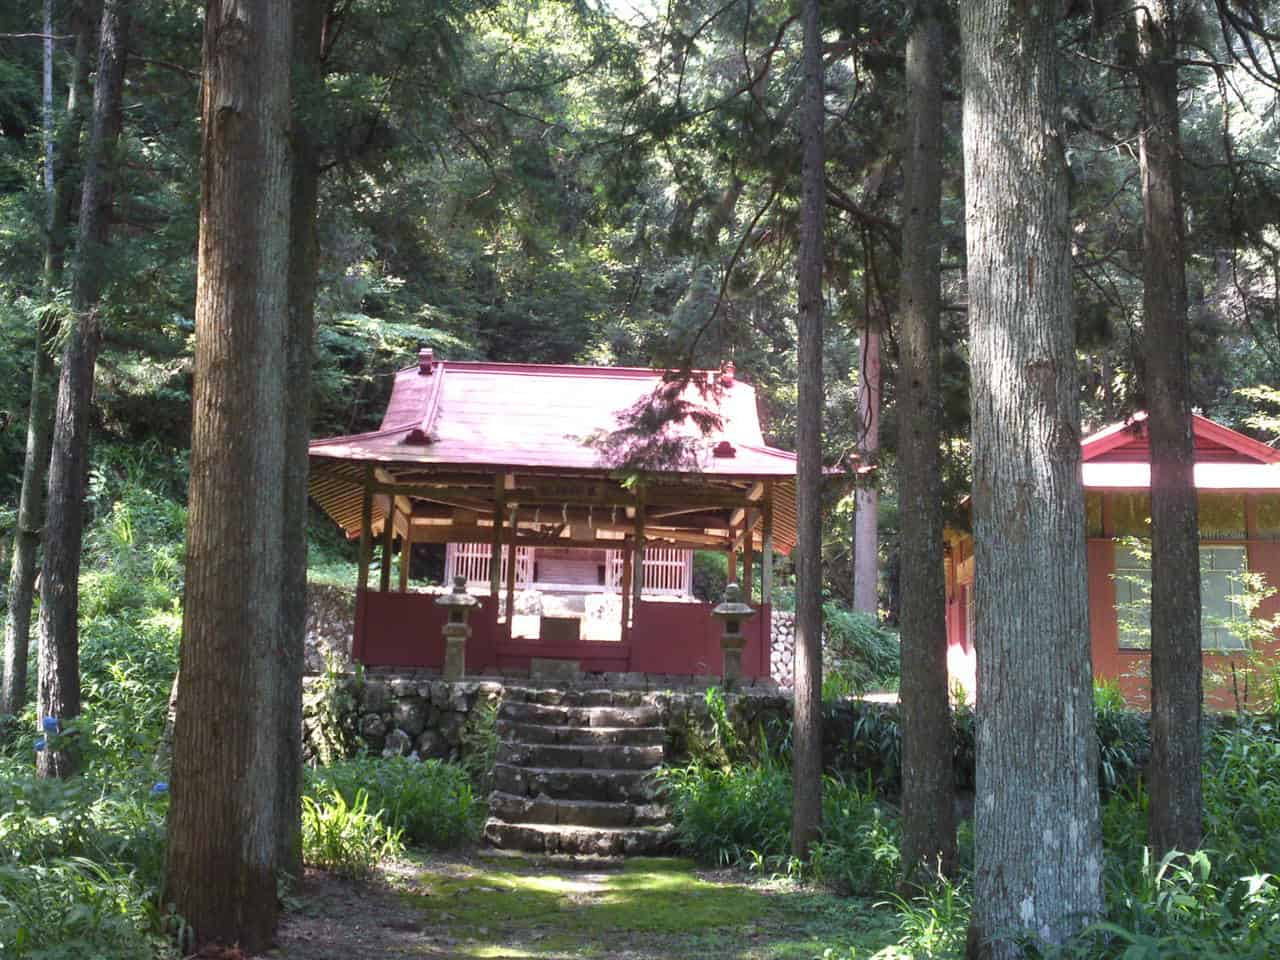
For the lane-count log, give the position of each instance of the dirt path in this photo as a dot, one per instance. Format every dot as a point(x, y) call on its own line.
point(479, 904)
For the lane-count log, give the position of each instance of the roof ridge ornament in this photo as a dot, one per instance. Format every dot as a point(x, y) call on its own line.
point(426, 361)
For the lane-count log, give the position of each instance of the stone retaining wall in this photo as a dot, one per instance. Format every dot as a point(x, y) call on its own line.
point(416, 714)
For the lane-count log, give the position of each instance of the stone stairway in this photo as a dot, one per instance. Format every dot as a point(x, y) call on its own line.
point(575, 774)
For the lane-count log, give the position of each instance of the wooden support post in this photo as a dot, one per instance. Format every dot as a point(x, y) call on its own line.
point(388, 538)
point(406, 554)
point(511, 573)
point(637, 575)
point(766, 558)
point(731, 563)
point(495, 542)
point(366, 531)
point(748, 555)
point(626, 591)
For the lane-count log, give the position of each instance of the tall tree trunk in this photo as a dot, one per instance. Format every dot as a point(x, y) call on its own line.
point(1038, 864)
point(59, 660)
point(928, 783)
point(303, 262)
point(866, 497)
point(806, 752)
point(1174, 776)
point(225, 811)
point(60, 160)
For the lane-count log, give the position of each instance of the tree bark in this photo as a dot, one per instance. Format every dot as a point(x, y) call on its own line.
point(58, 692)
point(60, 159)
point(866, 496)
point(1038, 863)
point(1175, 815)
point(303, 262)
point(807, 739)
point(928, 782)
point(226, 807)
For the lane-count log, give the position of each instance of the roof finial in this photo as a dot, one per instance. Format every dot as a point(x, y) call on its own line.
point(426, 361)
point(727, 374)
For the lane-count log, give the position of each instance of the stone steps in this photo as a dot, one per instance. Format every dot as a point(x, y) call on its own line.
point(531, 733)
point(576, 774)
point(561, 716)
point(573, 756)
point(579, 813)
point(580, 841)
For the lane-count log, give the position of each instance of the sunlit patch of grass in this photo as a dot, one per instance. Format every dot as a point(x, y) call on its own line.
point(650, 907)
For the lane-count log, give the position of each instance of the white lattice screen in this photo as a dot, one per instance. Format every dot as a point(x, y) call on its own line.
point(471, 560)
point(666, 571)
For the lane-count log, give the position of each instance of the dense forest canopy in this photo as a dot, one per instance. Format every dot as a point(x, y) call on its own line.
point(619, 184)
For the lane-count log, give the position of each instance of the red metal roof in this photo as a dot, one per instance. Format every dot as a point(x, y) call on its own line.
point(1127, 443)
point(548, 417)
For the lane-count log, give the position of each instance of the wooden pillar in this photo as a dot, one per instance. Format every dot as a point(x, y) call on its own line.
point(748, 555)
point(388, 538)
point(731, 562)
point(766, 552)
point(366, 531)
point(406, 554)
point(495, 540)
point(511, 570)
point(626, 591)
point(637, 574)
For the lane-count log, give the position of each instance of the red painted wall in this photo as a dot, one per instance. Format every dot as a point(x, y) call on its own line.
point(405, 630)
point(1131, 669)
point(683, 638)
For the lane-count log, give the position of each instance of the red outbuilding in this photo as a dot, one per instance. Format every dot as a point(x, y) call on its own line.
point(1238, 480)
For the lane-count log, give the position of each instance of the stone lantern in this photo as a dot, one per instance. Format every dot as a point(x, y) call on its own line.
point(459, 603)
point(731, 612)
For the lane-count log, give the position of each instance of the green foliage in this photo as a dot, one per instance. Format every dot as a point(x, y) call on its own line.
point(1124, 738)
point(80, 865)
point(935, 923)
point(742, 815)
point(1183, 909)
point(1242, 794)
point(728, 815)
point(343, 837)
point(72, 908)
point(480, 746)
point(857, 853)
point(332, 704)
point(860, 655)
point(431, 803)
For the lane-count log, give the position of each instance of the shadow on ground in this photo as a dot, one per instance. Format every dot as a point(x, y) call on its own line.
point(486, 905)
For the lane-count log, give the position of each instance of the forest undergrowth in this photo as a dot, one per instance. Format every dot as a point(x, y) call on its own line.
point(81, 862)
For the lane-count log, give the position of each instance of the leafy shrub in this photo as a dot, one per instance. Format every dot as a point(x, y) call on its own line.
point(69, 909)
point(431, 802)
point(1179, 910)
point(858, 850)
point(480, 746)
point(1242, 794)
point(345, 838)
point(725, 815)
point(860, 654)
point(331, 710)
point(1124, 738)
point(742, 814)
point(935, 924)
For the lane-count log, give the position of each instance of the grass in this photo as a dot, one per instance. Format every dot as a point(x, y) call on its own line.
point(645, 908)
